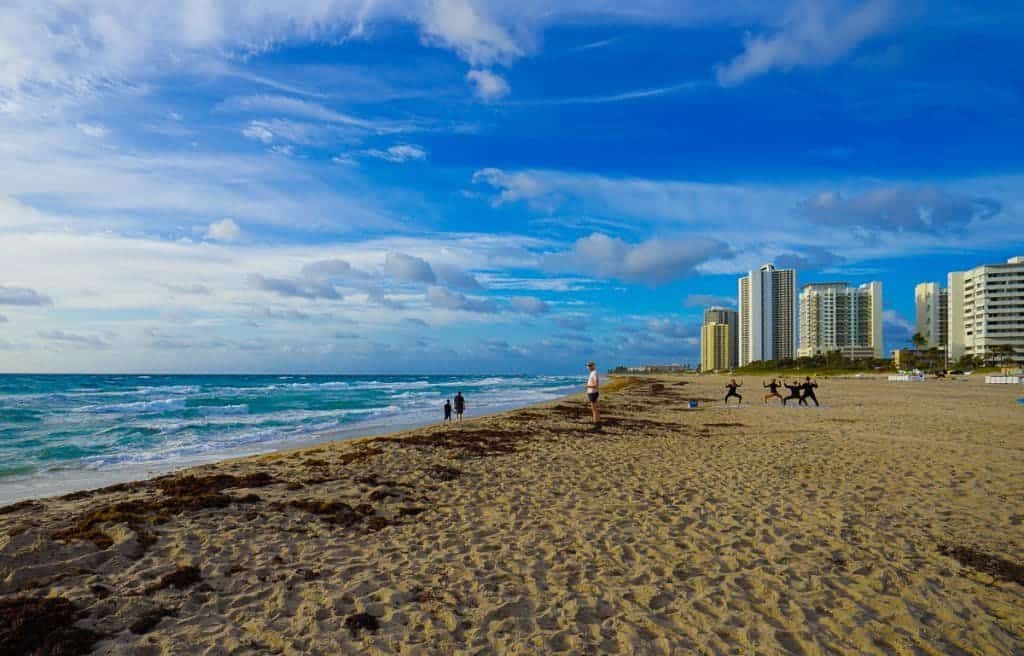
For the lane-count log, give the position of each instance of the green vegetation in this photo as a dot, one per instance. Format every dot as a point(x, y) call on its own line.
point(833, 363)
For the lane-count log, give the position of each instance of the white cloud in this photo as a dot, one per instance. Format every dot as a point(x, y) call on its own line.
point(22, 296)
point(408, 268)
point(444, 298)
point(259, 131)
point(224, 230)
point(93, 130)
point(398, 154)
point(814, 34)
point(467, 28)
point(488, 86)
point(654, 261)
point(530, 305)
point(701, 300)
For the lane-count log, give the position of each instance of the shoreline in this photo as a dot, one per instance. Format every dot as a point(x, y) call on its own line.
point(876, 524)
point(85, 480)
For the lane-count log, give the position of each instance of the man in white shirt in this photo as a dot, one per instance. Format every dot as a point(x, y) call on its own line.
point(593, 389)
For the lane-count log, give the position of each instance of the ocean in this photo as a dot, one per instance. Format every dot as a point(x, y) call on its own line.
point(61, 433)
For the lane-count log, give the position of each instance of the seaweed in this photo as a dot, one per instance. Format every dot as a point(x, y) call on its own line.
point(361, 622)
point(332, 512)
point(43, 625)
point(18, 507)
point(148, 620)
point(996, 567)
point(180, 494)
point(444, 473)
point(183, 577)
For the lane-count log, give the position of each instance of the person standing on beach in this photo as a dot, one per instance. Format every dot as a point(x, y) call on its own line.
point(447, 412)
point(773, 390)
point(732, 386)
point(593, 390)
point(460, 407)
point(808, 391)
point(794, 392)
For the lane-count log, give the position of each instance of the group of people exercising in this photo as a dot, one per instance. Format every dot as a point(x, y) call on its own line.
point(801, 392)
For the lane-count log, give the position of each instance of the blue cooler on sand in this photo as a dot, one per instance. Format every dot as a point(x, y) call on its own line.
point(693, 403)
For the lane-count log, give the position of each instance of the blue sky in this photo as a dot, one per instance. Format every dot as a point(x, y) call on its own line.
point(460, 185)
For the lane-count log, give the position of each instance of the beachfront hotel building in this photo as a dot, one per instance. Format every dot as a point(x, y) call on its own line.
point(986, 311)
point(767, 315)
point(730, 318)
point(837, 317)
point(931, 305)
point(715, 342)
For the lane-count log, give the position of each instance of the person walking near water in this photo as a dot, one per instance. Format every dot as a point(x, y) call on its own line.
point(808, 391)
point(593, 390)
point(794, 391)
point(773, 390)
point(447, 412)
point(460, 407)
point(732, 386)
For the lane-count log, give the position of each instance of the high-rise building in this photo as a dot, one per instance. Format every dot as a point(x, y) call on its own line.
point(932, 314)
point(837, 317)
point(715, 340)
point(767, 315)
point(986, 311)
point(729, 317)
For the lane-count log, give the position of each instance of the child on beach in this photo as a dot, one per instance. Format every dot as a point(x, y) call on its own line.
point(460, 407)
point(732, 386)
point(773, 390)
point(447, 412)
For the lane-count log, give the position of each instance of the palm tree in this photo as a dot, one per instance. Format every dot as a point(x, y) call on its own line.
point(918, 340)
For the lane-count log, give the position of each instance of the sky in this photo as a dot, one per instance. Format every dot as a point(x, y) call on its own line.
point(462, 186)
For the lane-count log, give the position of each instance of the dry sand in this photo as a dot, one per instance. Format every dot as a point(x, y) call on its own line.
point(888, 521)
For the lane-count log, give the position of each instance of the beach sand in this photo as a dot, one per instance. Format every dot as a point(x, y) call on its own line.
point(888, 521)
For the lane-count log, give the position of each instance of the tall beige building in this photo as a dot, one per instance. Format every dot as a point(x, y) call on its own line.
point(726, 316)
point(931, 305)
point(714, 346)
point(837, 317)
point(767, 315)
point(986, 311)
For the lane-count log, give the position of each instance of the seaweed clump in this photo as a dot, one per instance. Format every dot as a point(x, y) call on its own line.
point(361, 622)
point(179, 494)
point(996, 567)
point(43, 625)
point(184, 577)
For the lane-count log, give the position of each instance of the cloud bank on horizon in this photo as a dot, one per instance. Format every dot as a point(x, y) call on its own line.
point(478, 185)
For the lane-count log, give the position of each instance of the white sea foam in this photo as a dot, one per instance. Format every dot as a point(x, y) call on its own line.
point(156, 405)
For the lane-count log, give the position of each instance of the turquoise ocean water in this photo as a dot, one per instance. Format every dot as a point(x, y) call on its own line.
point(67, 432)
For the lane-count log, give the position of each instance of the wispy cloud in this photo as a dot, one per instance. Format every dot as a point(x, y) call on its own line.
point(625, 96)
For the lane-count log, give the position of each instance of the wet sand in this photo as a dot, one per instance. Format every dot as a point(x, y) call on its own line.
point(890, 520)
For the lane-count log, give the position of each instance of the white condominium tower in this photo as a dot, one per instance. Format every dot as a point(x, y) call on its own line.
point(728, 317)
point(837, 317)
point(932, 314)
point(767, 315)
point(986, 311)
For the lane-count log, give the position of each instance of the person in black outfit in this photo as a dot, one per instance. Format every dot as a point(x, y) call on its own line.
point(447, 411)
point(808, 391)
point(460, 407)
point(794, 392)
point(732, 386)
point(773, 390)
